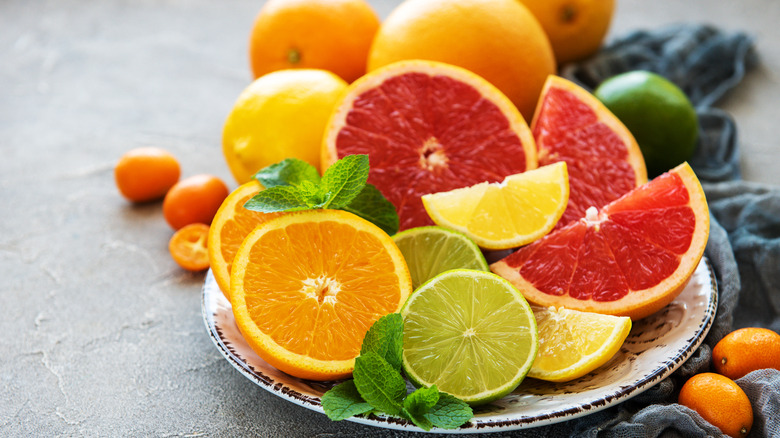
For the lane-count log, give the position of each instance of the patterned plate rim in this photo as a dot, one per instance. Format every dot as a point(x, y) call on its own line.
point(476, 425)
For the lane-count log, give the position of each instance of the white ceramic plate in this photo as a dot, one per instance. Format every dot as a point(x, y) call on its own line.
point(656, 346)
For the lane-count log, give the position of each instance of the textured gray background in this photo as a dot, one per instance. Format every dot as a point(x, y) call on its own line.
point(101, 333)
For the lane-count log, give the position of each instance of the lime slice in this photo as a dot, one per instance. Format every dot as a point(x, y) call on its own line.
point(512, 213)
point(429, 251)
point(470, 333)
point(574, 343)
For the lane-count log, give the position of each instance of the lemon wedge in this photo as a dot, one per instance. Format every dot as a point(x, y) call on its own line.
point(518, 210)
point(574, 343)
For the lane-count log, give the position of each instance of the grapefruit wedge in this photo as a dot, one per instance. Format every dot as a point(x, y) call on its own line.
point(603, 158)
point(631, 258)
point(428, 127)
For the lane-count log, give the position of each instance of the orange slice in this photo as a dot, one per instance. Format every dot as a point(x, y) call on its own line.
point(307, 286)
point(630, 259)
point(428, 127)
point(230, 226)
point(602, 157)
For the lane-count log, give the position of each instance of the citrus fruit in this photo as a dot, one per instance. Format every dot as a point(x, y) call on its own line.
point(499, 40)
point(574, 343)
point(332, 35)
point(428, 127)
point(280, 115)
point(194, 199)
point(146, 173)
point(470, 333)
point(631, 258)
point(514, 212)
point(745, 350)
point(602, 157)
point(429, 251)
point(188, 247)
point(306, 287)
point(657, 113)
point(576, 28)
point(720, 401)
point(230, 226)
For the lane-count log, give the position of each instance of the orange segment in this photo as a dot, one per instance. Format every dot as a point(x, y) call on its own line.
point(428, 127)
point(603, 159)
point(307, 286)
point(630, 259)
point(230, 226)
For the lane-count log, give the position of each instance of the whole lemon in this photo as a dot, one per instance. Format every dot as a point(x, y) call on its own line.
point(658, 114)
point(499, 40)
point(576, 28)
point(280, 115)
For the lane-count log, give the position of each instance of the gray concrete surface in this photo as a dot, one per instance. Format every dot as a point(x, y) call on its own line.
point(101, 333)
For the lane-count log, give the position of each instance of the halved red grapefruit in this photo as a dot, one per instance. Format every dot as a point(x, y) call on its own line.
point(632, 258)
point(428, 127)
point(603, 158)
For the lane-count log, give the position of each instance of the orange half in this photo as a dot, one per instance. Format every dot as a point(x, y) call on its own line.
point(307, 286)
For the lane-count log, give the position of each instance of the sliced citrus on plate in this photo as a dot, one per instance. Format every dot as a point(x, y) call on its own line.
point(230, 226)
point(574, 343)
point(631, 258)
point(604, 161)
point(306, 287)
point(429, 251)
point(470, 333)
point(428, 127)
point(514, 212)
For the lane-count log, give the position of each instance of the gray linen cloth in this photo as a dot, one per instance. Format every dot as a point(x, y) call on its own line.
point(744, 244)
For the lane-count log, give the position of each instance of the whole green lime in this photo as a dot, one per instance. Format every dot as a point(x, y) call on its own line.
point(658, 114)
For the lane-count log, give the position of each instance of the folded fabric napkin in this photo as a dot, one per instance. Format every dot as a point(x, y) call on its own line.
point(744, 243)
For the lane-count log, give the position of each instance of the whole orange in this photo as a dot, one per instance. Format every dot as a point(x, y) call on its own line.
point(720, 401)
point(746, 350)
point(499, 40)
point(146, 173)
point(576, 28)
point(332, 35)
point(195, 199)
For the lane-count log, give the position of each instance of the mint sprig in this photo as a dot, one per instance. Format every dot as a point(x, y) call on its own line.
point(378, 385)
point(293, 185)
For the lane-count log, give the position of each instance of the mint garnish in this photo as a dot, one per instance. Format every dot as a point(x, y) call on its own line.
point(378, 385)
point(293, 185)
point(344, 401)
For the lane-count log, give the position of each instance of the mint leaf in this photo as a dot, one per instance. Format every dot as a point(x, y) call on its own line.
point(343, 401)
point(379, 383)
point(276, 199)
point(288, 172)
point(449, 412)
point(418, 403)
point(372, 206)
point(344, 180)
point(312, 194)
point(385, 338)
